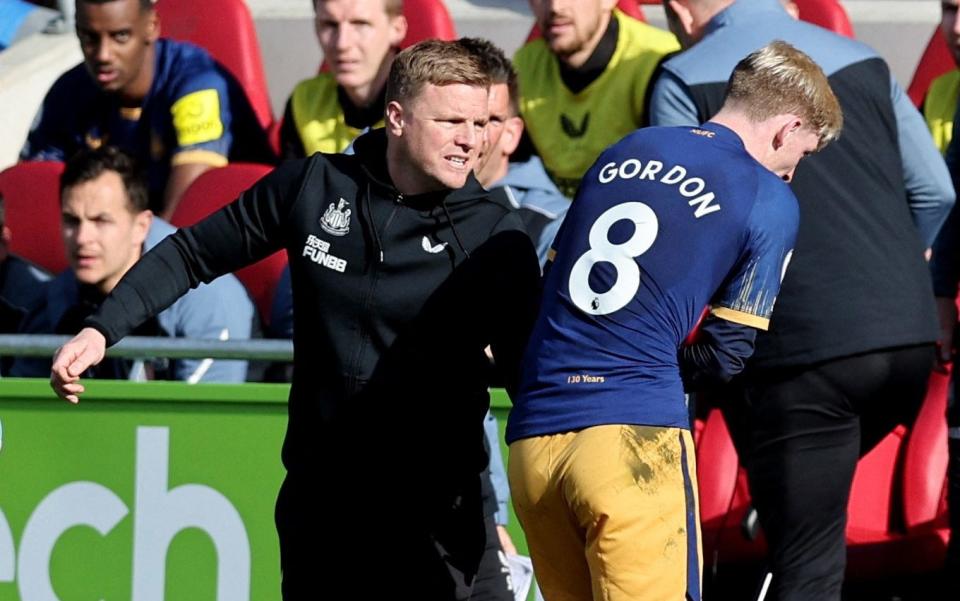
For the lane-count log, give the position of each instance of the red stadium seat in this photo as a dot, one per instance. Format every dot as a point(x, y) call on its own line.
point(925, 460)
point(31, 193)
point(897, 520)
point(724, 496)
point(225, 28)
point(936, 61)
point(427, 19)
point(631, 8)
point(216, 188)
point(872, 520)
point(828, 14)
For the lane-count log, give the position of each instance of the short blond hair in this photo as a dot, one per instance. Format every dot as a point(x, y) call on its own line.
point(433, 62)
point(779, 79)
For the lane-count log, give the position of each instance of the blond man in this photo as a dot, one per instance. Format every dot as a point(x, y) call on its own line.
point(403, 272)
point(667, 221)
point(359, 39)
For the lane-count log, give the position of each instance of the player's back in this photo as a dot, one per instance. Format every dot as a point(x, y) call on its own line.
point(666, 222)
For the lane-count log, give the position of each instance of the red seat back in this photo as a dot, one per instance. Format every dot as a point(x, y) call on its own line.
point(717, 468)
point(874, 489)
point(925, 462)
point(936, 61)
point(631, 8)
point(828, 14)
point(211, 191)
point(225, 29)
point(427, 19)
point(31, 193)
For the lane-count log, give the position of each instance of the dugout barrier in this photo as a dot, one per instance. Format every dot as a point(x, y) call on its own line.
point(144, 491)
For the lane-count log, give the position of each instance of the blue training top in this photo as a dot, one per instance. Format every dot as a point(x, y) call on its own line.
point(195, 112)
point(666, 222)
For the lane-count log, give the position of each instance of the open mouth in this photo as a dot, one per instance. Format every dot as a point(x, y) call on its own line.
point(457, 161)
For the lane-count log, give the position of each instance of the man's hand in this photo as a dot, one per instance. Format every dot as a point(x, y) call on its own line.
point(947, 313)
point(72, 359)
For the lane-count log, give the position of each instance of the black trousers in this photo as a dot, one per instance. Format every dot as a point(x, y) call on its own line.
point(800, 432)
point(346, 538)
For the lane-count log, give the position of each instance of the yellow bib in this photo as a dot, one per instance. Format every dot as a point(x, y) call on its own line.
point(939, 107)
point(319, 118)
point(571, 130)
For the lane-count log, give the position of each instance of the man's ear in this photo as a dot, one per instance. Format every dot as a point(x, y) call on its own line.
point(684, 18)
point(397, 31)
point(141, 226)
point(394, 120)
point(153, 26)
point(512, 132)
point(790, 125)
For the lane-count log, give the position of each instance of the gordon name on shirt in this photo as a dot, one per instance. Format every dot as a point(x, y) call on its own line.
point(690, 187)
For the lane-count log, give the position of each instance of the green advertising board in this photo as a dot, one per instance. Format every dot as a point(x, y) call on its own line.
point(144, 491)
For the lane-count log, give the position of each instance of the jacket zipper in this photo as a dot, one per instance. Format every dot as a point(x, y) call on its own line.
point(374, 278)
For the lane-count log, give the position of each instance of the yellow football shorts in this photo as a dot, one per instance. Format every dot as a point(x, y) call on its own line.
point(610, 513)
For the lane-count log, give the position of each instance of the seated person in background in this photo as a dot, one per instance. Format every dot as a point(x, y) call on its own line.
point(524, 182)
point(166, 103)
point(359, 39)
point(19, 19)
point(106, 227)
point(21, 283)
point(583, 85)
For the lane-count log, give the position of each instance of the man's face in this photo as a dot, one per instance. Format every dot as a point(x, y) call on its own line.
point(950, 27)
point(114, 37)
point(439, 133)
point(498, 103)
point(796, 145)
point(569, 26)
point(356, 36)
point(102, 236)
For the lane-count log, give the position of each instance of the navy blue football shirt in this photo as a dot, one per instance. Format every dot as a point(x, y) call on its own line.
point(668, 221)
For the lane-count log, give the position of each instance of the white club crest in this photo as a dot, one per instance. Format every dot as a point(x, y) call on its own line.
point(336, 219)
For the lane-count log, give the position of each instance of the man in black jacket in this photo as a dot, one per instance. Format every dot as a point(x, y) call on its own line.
point(403, 272)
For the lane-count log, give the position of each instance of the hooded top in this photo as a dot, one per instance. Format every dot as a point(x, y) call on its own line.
point(396, 298)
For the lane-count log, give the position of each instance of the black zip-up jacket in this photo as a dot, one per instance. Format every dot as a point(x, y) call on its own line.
point(395, 299)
